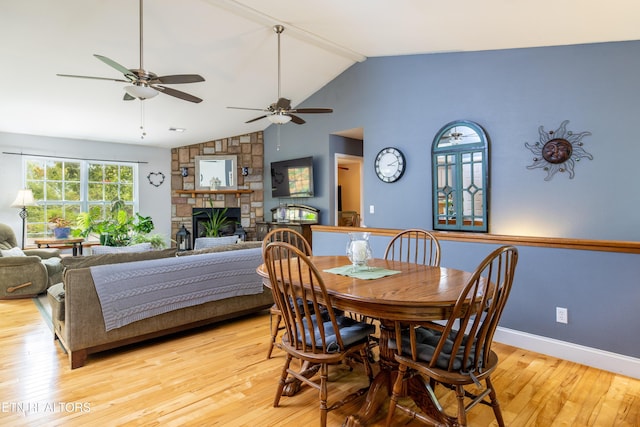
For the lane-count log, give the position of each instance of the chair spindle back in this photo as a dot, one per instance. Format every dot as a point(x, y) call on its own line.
point(294, 278)
point(476, 313)
point(415, 246)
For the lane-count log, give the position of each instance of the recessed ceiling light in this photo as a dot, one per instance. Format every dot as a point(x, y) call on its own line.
point(177, 129)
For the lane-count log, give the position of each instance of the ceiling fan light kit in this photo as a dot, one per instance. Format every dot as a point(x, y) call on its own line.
point(141, 91)
point(279, 118)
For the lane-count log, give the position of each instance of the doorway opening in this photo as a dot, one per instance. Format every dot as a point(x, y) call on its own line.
point(348, 178)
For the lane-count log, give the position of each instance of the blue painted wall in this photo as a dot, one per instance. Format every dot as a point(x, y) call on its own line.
point(404, 101)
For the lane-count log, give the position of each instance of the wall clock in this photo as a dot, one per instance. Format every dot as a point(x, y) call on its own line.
point(390, 164)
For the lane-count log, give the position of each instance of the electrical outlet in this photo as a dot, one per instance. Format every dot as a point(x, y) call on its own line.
point(562, 315)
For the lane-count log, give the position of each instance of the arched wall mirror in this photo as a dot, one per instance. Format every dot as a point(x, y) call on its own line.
point(216, 172)
point(460, 165)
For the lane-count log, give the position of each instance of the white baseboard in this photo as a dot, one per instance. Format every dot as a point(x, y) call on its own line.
point(593, 357)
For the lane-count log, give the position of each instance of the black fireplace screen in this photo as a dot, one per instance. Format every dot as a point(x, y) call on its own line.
point(201, 215)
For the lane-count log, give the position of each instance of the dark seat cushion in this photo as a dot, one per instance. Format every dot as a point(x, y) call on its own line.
point(427, 340)
point(351, 331)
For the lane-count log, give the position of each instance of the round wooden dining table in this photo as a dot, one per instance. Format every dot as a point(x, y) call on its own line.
point(416, 293)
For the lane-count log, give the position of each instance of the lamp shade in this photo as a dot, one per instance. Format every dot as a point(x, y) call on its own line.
point(24, 198)
point(141, 91)
point(279, 118)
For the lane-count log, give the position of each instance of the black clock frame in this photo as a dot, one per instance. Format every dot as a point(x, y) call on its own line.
point(402, 165)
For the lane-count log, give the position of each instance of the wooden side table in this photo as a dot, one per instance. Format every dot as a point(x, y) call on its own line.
point(61, 243)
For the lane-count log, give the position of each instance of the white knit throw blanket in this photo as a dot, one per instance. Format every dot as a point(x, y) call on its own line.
point(137, 290)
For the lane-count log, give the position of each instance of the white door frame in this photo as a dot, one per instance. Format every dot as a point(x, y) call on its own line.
point(351, 158)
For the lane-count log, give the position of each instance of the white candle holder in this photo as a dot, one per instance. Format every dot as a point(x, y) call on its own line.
point(359, 250)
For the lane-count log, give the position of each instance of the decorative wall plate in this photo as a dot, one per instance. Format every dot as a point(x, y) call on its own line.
point(558, 150)
point(156, 178)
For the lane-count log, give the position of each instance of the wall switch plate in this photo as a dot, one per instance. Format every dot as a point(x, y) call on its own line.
point(562, 315)
point(372, 209)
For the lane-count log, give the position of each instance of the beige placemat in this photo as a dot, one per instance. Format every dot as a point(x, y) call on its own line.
point(365, 273)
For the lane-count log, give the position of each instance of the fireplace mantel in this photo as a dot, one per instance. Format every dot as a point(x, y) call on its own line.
point(194, 192)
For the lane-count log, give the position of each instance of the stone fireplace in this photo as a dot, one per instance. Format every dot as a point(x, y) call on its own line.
point(245, 204)
point(201, 215)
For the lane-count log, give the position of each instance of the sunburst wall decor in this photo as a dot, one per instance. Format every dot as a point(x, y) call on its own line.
point(558, 150)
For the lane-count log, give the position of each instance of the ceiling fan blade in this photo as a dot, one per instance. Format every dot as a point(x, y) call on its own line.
point(110, 62)
point(178, 94)
point(297, 120)
point(178, 78)
point(312, 110)
point(245, 108)
point(95, 78)
point(257, 118)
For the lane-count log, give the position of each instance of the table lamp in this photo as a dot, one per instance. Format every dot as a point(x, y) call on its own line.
point(24, 199)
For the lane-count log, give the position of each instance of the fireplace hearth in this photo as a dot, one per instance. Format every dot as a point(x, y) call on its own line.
point(201, 215)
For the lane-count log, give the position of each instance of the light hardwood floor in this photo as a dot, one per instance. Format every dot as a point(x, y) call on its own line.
point(218, 376)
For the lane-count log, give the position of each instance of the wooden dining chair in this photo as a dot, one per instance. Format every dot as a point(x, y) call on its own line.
point(296, 239)
point(414, 245)
point(323, 339)
point(456, 358)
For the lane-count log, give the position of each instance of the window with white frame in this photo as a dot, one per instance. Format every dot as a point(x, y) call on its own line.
point(62, 188)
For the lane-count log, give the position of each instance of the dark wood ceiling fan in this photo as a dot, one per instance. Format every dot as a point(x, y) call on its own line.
point(280, 112)
point(145, 84)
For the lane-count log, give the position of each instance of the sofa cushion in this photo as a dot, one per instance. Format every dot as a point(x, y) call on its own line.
point(54, 269)
point(140, 247)
point(12, 252)
point(222, 248)
point(92, 260)
point(210, 242)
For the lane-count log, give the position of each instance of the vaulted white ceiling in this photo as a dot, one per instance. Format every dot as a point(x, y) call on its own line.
point(233, 46)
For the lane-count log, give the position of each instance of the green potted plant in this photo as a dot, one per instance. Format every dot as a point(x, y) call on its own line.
point(61, 227)
point(118, 228)
point(156, 240)
point(217, 220)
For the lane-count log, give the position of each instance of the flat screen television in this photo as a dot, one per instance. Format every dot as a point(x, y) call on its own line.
point(292, 178)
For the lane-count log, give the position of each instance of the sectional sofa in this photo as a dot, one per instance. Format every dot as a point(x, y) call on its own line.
point(79, 306)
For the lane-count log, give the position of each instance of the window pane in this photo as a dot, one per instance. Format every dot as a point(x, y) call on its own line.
point(126, 193)
point(37, 187)
point(95, 172)
point(54, 170)
point(111, 173)
point(54, 190)
point(34, 169)
point(35, 214)
point(126, 174)
point(71, 211)
point(111, 192)
point(96, 191)
point(72, 191)
point(72, 171)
